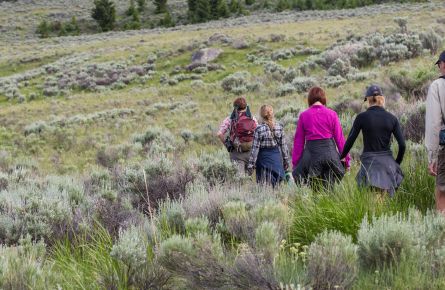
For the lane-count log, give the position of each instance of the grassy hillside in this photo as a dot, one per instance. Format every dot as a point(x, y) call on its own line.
point(112, 178)
point(173, 49)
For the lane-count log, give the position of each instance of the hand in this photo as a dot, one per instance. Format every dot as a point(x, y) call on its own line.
point(286, 166)
point(432, 168)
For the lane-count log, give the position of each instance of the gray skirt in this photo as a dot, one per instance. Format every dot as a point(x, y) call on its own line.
point(320, 160)
point(380, 170)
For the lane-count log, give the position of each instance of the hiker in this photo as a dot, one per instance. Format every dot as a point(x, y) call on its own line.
point(434, 133)
point(239, 127)
point(318, 143)
point(269, 156)
point(378, 168)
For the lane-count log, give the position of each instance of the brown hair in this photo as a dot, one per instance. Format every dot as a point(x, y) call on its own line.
point(376, 100)
point(240, 103)
point(266, 113)
point(316, 94)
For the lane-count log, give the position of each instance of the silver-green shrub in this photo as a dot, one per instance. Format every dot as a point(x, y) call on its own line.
point(23, 266)
point(431, 41)
point(157, 140)
point(384, 240)
point(340, 68)
point(193, 226)
point(216, 167)
point(303, 84)
point(267, 238)
point(171, 217)
point(131, 248)
point(332, 261)
point(237, 83)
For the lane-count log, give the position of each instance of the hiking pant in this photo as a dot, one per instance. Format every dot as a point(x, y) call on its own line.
point(241, 159)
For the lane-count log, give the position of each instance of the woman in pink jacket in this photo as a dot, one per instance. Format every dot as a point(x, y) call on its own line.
point(318, 141)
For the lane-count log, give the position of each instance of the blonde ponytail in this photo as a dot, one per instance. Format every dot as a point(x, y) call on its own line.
point(376, 101)
point(266, 113)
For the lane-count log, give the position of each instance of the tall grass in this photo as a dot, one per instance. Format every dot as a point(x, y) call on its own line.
point(344, 207)
point(87, 263)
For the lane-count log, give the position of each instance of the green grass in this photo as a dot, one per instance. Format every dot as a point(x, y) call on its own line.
point(344, 208)
point(86, 263)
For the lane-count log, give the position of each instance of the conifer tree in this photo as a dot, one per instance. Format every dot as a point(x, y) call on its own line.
point(161, 6)
point(223, 9)
point(202, 10)
point(104, 13)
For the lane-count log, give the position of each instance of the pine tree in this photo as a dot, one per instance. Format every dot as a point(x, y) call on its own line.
point(135, 21)
point(203, 10)
point(282, 5)
point(223, 9)
point(234, 6)
point(161, 6)
point(214, 8)
point(167, 21)
point(104, 13)
point(299, 5)
point(192, 10)
point(132, 9)
point(141, 5)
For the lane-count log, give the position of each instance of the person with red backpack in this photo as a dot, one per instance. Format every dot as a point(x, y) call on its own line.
point(236, 133)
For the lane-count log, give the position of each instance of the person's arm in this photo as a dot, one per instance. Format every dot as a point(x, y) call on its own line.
point(433, 122)
point(255, 149)
point(299, 139)
point(284, 150)
point(356, 127)
point(223, 128)
point(400, 140)
point(339, 138)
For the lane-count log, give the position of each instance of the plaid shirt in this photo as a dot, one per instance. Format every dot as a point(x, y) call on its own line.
point(263, 139)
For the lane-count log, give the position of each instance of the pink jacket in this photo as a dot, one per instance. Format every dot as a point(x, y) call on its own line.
point(317, 122)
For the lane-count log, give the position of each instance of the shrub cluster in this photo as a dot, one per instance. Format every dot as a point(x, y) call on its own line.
point(239, 83)
point(40, 126)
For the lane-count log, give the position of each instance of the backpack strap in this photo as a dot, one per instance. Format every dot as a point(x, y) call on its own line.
point(443, 120)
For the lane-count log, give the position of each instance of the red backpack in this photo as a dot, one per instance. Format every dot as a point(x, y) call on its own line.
point(242, 128)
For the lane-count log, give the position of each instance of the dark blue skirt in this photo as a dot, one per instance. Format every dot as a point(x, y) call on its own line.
point(269, 166)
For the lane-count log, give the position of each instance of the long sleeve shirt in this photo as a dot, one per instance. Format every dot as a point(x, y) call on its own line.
point(317, 122)
point(435, 106)
point(377, 125)
point(263, 138)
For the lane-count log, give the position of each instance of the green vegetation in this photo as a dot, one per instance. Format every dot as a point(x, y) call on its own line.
point(111, 176)
point(104, 13)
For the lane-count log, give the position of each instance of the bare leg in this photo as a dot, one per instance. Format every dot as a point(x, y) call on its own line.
point(440, 199)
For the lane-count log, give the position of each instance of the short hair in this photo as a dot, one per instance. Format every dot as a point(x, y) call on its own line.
point(316, 94)
point(240, 103)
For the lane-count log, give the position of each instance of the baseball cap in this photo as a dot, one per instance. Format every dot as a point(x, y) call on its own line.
point(441, 57)
point(373, 90)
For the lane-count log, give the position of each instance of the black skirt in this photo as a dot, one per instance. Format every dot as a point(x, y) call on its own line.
point(320, 160)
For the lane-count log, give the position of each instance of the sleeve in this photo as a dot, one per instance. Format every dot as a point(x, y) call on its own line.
point(224, 127)
point(433, 122)
point(284, 150)
point(356, 127)
point(255, 148)
point(256, 122)
point(339, 138)
point(299, 139)
point(400, 140)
